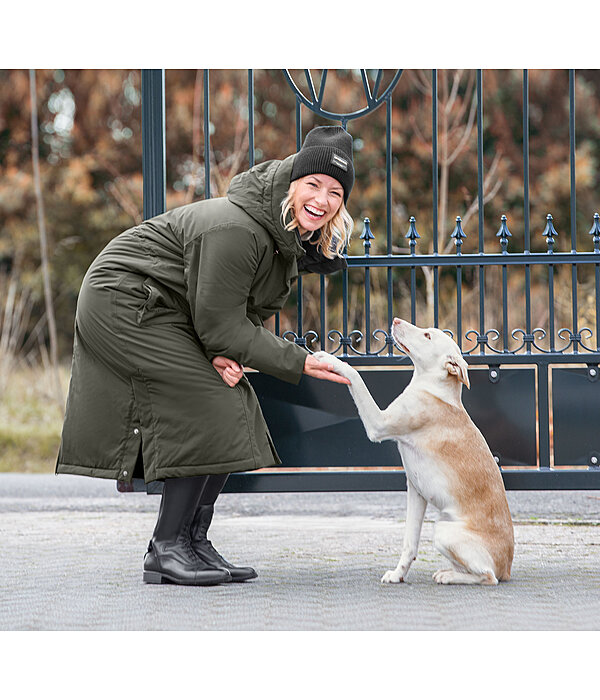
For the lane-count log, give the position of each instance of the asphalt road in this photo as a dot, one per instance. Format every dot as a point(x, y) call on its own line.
point(72, 550)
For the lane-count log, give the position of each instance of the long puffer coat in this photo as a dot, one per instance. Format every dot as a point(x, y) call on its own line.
point(156, 306)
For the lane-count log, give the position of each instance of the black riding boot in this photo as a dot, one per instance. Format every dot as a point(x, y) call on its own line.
point(199, 529)
point(170, 557)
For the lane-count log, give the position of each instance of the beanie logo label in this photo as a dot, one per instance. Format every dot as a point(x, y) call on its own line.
point(339, 162)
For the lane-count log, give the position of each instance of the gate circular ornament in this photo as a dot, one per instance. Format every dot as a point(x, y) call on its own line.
point(315, 100)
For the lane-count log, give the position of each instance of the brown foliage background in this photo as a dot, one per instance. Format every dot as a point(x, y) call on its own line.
point(90, 136)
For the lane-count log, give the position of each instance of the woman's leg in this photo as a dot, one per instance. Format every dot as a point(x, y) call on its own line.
point(212, 489)
point(199, 530)
point(171, 557)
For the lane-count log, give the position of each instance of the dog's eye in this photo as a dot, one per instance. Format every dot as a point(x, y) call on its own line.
point(428, 336)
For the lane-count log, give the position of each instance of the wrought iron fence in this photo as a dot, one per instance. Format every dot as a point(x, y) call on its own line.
point(543, 348)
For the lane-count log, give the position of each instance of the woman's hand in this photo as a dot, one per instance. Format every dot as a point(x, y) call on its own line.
point(231, 372)
point(322, 370)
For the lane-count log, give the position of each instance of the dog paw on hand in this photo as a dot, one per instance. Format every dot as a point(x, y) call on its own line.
point(392, 577)
point(323, 356)
point(337, 365)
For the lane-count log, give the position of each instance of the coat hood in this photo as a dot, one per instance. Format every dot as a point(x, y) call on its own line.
point(259, 192)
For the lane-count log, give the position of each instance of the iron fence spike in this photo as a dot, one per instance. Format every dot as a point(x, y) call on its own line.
point(367, 235)
point(503, 233)
point(458, 231)
point(595, 232)
point(412, 231)
point(549, 232)
point(458, 234)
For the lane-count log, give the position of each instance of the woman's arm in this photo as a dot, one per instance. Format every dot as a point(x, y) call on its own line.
point(231, 372)
point(220, 266)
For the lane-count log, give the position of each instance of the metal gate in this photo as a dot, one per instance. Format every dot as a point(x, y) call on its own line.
point(537, 404)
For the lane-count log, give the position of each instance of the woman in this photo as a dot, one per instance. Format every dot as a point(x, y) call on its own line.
point(169, 314)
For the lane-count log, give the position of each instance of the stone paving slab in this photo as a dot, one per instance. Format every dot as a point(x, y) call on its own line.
point(72, 555)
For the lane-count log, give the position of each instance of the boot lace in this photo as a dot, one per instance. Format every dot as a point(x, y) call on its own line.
point(209, 545)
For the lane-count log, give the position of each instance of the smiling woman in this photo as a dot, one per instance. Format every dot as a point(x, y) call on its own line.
point(321, 181)
point(169, 315)
point(317, 199)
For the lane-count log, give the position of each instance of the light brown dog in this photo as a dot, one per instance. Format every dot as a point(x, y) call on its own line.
point(447, 461)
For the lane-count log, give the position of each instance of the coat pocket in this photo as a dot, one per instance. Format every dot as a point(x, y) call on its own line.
point(158, 306)
point(149, 303)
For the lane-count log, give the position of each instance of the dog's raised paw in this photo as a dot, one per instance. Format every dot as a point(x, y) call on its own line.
point(323, 356)
point(392, 577)
point(339, 367)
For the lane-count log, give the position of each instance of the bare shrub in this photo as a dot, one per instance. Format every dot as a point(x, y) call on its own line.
point(14, 317)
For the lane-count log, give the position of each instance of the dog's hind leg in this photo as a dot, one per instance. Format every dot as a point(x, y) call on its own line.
point(415, 512)
point(471, 562)
point(449, 576)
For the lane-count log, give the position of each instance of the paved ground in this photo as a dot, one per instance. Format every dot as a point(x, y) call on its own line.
point(72, 550)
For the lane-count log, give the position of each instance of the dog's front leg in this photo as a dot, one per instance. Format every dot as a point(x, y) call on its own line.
point(415, 512)
point(377, 422)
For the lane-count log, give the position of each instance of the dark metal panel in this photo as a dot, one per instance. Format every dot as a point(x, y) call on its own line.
point(503, 407)
point(307, 481)
point(316, 423)
point(514, 480)
point(316, 481)
point(544, 415)
point(576, 412)
point(552, 480)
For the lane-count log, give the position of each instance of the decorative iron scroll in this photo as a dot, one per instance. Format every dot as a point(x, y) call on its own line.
point(315, 101)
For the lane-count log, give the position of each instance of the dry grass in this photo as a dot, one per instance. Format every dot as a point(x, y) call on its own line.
point(30, 420)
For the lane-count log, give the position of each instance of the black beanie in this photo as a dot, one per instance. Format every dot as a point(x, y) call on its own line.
point(326, 150)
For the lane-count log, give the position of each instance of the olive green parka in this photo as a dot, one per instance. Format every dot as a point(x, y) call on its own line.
point(156, 306)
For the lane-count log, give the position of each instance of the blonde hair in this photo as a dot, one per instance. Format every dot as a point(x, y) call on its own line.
point(335, 234)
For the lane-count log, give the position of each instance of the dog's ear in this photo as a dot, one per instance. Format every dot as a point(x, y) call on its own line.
point(455, 364)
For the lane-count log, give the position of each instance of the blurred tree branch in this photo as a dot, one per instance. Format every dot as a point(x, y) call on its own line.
point(35, 155)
